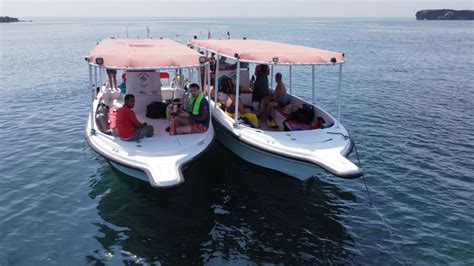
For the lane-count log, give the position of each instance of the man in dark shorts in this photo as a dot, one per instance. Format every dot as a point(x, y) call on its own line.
point(278, 98)
point(112, 74)
point(129, 128)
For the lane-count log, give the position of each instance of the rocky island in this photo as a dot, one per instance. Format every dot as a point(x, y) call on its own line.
point(445, 14)
point(8, 19)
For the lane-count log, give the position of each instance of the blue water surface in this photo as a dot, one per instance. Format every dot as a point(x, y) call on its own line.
point(408, 101)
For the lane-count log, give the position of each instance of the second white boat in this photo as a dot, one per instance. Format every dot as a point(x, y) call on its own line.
point(295, 148)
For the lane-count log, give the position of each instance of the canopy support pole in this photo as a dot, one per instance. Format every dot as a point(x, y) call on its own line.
point(208, 78)
point(100, 77)
point(312, 83)
point(339, 96)
point(290, 81)
point(104, 76)
point(216, 80)
point(95, 74)
point(91, 86)
point(271, 77)
point(237, 92)
point(199, 77)
point(208, 68)
point(90, 78)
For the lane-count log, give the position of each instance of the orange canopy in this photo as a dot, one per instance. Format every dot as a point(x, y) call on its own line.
point(265, 51)
point(147, 53)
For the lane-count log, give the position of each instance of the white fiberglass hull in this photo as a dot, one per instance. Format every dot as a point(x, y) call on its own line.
point(130, 171)
point(320, 151)
point(295, 168)
point(159, 171)
point(159, 160)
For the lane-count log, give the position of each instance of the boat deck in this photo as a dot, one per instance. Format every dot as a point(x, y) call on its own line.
point(161, 142)
point(159, 125)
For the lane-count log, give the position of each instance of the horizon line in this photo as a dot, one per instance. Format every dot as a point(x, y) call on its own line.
point(213, 17)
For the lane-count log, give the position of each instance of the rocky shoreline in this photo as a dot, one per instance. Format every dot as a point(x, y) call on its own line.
point(8, 19)
point(445, 14)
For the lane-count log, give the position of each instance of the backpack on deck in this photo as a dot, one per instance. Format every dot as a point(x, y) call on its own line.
point(304, 114)
point(156, 110)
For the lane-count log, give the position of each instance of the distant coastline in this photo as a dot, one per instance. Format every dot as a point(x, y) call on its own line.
point(7, 19)
point(445, 14)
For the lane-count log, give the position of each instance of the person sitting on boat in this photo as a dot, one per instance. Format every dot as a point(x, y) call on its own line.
point(224, 83)
point(122, 86)
point(212, 62)
point(197, 119)
point(112, 74)
point(223, 65)
point(260, 89)
point(129, 128)
point(212, 67)
point(278, 98)
point(244, 113)
point(111, 98)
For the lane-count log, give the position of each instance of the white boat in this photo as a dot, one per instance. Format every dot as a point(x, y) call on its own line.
point(160, 159)
point(293, 148)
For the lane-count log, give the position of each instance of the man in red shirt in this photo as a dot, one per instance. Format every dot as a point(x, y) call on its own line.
point(129, 128)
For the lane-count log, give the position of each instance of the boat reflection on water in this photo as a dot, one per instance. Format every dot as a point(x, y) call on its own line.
point(228, 211)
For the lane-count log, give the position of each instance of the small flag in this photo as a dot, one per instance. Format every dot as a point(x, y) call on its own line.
point(228, 35)
point(147, 32)
point(209, 34)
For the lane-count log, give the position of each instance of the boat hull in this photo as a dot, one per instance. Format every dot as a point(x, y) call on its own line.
point(299, 169)
point(129, 171)
point(132, 171)
point(159, 161)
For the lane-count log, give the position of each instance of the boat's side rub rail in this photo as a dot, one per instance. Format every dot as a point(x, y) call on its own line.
point(333, 162)
point(162, 171)
point(139, 165)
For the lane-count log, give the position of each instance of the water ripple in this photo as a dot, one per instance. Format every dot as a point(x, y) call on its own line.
point(407, 101)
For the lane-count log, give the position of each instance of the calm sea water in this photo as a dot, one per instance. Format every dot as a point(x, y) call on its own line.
point(408, 101)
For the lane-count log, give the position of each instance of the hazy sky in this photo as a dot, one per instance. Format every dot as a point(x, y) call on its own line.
point(224, 8)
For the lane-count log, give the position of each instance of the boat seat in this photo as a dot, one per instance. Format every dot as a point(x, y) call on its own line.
point(246, 98)
point(280, 116)
point(112, 118)
point(295, 125)
point(285, 123)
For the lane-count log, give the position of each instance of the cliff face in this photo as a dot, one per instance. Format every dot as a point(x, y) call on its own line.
point(445, 14)
point(8, 19)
